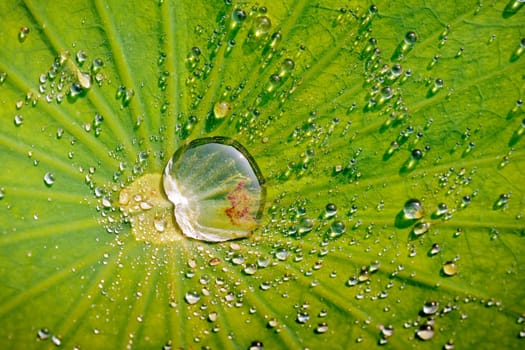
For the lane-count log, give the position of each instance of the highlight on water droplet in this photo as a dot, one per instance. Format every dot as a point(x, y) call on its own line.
point(217, 189)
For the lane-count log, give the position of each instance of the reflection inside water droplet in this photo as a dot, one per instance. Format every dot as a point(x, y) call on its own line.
point(217, 189)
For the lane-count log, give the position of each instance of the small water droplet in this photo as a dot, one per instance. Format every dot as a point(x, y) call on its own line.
point(430, 307)
point(321, 328)
point(19, 120)
point(160, 224)
point(421, 228)
point(387, 331)
point(81, 57)
point(256, 345)
point(503, 200)
point(261, 26)
point(410, 38)
point(56, 340)
point(441, 209)
point(42, 334)
point(413, 209)
point(49, 179)
point(302, 317)
point(238, 15)
point(449, 345)
point(436, 248)
point(97, 65)
point(23, 33)
point(330, 210)
point(222, 109)
point(75, 89)
point(450, 268)
point(192, 297)
point(425, 332)
point(336, 230)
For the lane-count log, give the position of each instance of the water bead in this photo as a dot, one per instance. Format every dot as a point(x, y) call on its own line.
point(238, 15)
point(441, 209)
point(421, 228)
point(413, 209)
point(222, 109)
point(425, 332)
point(410, 38)
point(261, 25)
point(430, 307)
point(217, 189)
point(450, 268)
point(49, 179)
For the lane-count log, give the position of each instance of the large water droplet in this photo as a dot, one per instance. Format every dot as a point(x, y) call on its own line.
point(217, 189)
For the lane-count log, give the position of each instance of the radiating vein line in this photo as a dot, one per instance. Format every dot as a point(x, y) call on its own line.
point(72, 320)
point(514, 67)
point(285, 30)
point(175, 46)
point(48, 283)
point(51, 230)
point(265, 308)
point(178, 314)
point(61, 118)
point(37, 193)
point(55, 163)
point(140, 308)
point(93, 95)
point(122, 66)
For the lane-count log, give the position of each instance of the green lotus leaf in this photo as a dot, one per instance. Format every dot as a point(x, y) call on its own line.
point(389, 136)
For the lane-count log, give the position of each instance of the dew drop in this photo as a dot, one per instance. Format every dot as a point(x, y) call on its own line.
point(336, 230)
point(413, 209)
point(441, 209)
point(49, 179)
point(450, 268)
point(160, 224)
point(56, 340)
point(425, 332)
point(261, 26)
point(256, 345)
point(410, 38)
point(430, 307)
point(449, 345)
point(387, 331)
point(3, 77)
point(222, 109)
point(421, 228)
point(23, 33)
point(75, 89)
point(192, 297)
point(19, 120)
point(321, 328)
point(302, 317)
point(330, 210)
point(42, 334)
point(250, 269)
point(81, 57)
point(238, 15)
point(217, 189)
point(436, 248)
